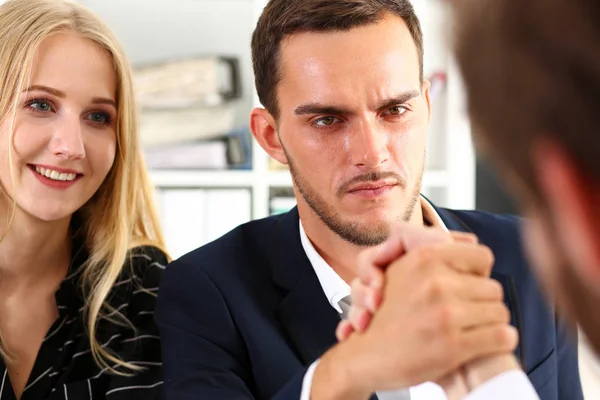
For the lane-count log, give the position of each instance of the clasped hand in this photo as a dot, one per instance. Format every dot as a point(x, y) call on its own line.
point(425, 308)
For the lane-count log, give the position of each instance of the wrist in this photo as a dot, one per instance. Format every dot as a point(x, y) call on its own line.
point(484, 369)
point(337, 376)
point(454, 385)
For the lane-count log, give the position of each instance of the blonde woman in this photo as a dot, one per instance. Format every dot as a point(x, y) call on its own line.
point(80, 257)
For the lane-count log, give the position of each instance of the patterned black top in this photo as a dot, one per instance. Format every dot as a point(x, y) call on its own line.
point(65, 368)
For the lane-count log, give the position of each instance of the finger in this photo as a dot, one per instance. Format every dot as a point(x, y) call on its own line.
point(462, 257)
point(359, 318)
point(343, 331)
point(464, 237)
point(477, 288)
point(365, 296)
point(362, 321)
point(486, 341)
point(437, 283)
point(471, 258)
point(404, 237)
point(368, 272)
point(471, 315)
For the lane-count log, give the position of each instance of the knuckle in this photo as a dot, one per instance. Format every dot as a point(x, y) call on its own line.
point(487, 256)
point(445, 318)
point(497, 289)
point(435, 288)
point(353, 317)
point(507, 336)
point(357, 289)
point(471, 236)
point(425, 255)
point(504, 313)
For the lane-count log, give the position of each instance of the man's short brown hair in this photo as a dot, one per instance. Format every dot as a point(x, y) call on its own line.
point(532, 71)
point(281, 18)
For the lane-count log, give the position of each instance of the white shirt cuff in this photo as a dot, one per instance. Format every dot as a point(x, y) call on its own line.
point(307, 381)
point(508, 385)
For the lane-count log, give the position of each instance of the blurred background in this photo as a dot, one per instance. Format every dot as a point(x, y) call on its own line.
point(195, 85)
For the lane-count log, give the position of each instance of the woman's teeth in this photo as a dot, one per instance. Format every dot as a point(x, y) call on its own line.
point(55, 175)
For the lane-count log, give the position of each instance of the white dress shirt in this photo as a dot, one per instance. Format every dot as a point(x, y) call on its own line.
point(335, 289)
point(511, 385)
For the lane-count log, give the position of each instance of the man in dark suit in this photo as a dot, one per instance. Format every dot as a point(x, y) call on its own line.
point(253, 314)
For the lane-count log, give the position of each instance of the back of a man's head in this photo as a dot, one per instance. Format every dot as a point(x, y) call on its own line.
point(532, 75)
point(282, 18)
point(532, 70)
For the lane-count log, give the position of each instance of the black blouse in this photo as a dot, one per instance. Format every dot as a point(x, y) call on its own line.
point(65, 368)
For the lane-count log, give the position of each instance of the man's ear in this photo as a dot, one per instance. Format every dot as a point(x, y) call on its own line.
point(264, 130)
point(426, 93)
point(573, 198)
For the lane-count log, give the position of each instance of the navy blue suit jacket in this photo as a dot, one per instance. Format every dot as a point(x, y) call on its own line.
point(244, 316)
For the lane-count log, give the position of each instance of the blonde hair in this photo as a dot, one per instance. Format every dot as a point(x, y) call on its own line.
point(122, 213)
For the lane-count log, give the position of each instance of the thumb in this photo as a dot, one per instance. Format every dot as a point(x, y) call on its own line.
point(405, 237)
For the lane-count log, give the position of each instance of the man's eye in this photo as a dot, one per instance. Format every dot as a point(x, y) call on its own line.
point(325, 121)
point(397, 110)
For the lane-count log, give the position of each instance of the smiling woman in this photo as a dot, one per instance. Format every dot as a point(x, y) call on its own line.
point(80, 243)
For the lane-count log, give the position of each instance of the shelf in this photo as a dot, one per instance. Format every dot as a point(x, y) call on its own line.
point(201, 178)
point(232, 178)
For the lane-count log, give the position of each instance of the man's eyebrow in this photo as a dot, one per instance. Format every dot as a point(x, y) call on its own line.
point(399, 99)
point(318, 108)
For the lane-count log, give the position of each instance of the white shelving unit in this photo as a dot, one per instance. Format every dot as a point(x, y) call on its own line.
point(449, 179)
point(258, 183)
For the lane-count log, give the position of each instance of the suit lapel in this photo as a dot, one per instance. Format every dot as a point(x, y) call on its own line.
point(304, 311)
point(454, 223)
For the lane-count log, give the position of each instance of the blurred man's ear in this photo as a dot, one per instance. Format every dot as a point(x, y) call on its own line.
point(426, 92)
point(264, 129)
point(573, 199)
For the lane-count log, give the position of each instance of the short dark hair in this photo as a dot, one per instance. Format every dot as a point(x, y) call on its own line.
point(286, 17)
point(532, 71)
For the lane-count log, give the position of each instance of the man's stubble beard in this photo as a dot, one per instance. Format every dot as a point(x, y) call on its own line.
point(350, 231)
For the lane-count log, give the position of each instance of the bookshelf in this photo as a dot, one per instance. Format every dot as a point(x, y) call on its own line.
point(258, 183)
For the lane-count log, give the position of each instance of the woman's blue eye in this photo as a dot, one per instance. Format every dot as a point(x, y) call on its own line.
point(100, 118)
point(41, 105)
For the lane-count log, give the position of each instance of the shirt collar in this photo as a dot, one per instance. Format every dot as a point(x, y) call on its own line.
point(431, 216)
point(334, 287)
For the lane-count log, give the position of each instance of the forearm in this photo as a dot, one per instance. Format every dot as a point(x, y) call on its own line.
point(482, 370)
point(334, 378)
